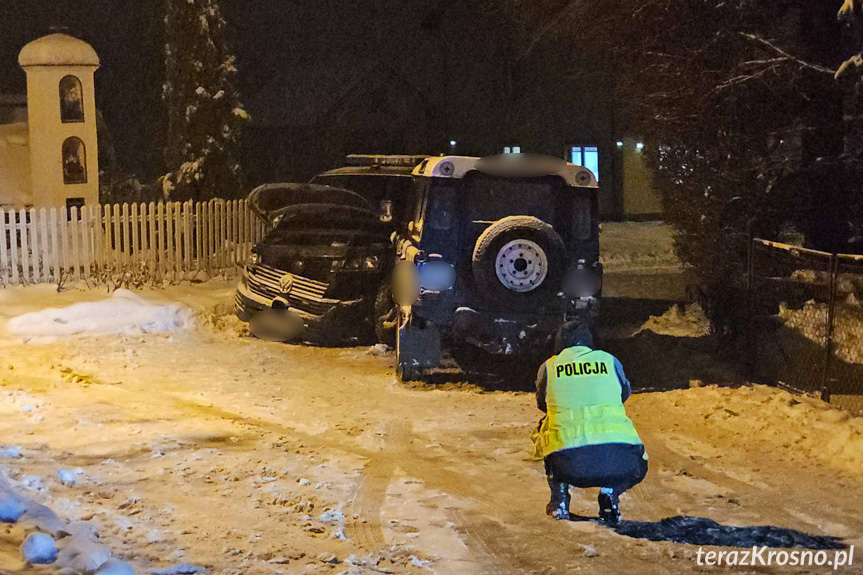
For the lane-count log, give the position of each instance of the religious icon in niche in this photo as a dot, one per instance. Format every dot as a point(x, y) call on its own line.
point(71, 100)
point(74, 161)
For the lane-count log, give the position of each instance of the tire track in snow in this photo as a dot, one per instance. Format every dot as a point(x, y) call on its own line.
point(497, 536)
point(365, 527)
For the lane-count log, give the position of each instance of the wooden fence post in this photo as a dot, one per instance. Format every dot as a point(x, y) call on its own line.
point(169, 237)
point(4, 257)
point(76, 232)
point(178, 240)
point(13, 244)
point(25, 246)
point(56, 273)
point(136, 244)
point(187, 237)
point(208, 223)
point(127, 252)
point(118, 242)
point(199, 235)
point(84, 231)
point(45, 252)
point(33, 238)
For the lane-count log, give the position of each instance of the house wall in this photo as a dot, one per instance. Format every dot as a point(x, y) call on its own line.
point(14, 166)
point(640, 197)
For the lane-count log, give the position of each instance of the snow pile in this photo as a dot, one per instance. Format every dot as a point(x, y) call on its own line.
point(123, 313)
point(11, 452)
point(12, 507)
point(39, 549)
point(82, 553)
point(220, 318)
point(51, 541)
point(69, 477)
point(676, 322)
point(808, 428)
point(115, 567)
point(181, 569)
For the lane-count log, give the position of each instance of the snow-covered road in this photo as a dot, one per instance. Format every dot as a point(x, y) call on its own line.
point(205, 447)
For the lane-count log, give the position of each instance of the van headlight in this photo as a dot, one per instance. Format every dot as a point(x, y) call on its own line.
point(363, 263)
point(253, 259)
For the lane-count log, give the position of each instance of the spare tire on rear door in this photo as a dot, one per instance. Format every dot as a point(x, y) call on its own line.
point(519, 261)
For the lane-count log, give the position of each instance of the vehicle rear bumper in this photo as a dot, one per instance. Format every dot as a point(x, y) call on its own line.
point(506, 334)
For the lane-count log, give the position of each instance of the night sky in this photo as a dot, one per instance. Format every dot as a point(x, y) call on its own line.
point(127, 35)
point(269, 36)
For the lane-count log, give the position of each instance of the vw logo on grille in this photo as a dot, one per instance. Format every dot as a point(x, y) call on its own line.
point(286, 282)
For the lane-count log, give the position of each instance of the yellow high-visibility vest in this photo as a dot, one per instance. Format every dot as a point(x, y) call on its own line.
point(584, 403)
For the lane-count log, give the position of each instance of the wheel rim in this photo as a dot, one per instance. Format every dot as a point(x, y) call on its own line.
point(521, 265)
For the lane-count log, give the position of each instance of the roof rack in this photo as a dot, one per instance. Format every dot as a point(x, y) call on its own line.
point(384, 160)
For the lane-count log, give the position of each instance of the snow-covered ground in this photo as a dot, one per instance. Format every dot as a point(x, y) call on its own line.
point(637, 246)
point(639, 262)
point(199, 447)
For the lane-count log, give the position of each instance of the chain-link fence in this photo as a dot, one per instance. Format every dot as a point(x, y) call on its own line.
point(845, 366)
point(806, 321)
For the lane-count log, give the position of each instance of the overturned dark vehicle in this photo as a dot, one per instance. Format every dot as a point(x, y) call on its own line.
point(322, 262)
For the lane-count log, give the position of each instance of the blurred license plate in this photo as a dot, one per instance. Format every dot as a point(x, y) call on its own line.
point(276, 325)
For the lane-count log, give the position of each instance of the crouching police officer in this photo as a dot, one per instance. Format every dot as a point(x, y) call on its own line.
point(586, 438)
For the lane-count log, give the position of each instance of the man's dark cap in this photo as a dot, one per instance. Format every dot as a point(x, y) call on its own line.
point(573, 334)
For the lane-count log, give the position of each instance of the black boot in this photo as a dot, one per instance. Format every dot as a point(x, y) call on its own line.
point(558, 506)
point(609, 506)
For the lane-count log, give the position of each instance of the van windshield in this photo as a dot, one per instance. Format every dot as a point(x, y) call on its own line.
point(372, 187)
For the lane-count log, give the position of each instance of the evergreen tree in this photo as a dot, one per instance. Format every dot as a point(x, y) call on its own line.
point(850, 76)
point(205, 116)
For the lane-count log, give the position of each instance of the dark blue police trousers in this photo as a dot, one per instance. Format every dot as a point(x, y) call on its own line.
point(619, 466)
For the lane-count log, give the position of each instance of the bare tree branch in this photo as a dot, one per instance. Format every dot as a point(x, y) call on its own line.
point(773, 47)
point(556, 19)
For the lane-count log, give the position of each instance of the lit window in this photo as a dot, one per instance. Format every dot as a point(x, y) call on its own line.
point(514, 149)
point(74, 161)
point(587, 156)
point(507, 150)
point(71, 100)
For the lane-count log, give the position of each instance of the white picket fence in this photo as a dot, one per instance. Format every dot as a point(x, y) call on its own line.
point(126, 243)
